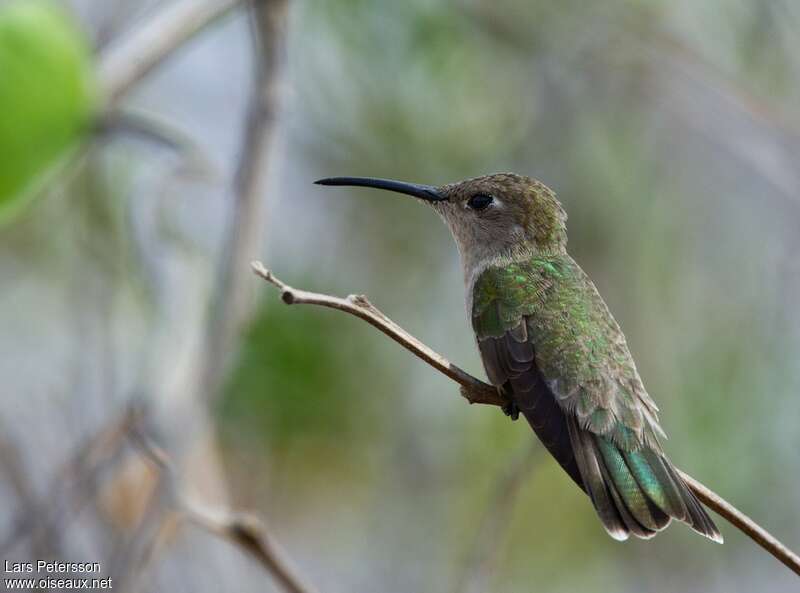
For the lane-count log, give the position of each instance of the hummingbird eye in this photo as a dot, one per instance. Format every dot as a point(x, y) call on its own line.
point(480, 201)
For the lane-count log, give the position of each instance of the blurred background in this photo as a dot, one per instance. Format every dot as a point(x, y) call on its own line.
point(134, 194)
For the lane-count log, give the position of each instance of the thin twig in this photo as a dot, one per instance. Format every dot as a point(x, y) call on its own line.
point(743, 523)
point(127, 61)
point(247, 532)
point(363, 309)
point(241, 529)
point(474, 390)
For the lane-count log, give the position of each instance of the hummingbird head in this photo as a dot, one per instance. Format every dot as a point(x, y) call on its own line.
point(492, 218)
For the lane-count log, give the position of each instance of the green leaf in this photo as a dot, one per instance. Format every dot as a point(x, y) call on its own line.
point(47, 95)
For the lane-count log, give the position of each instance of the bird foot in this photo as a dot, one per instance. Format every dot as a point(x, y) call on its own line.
point(511, 410)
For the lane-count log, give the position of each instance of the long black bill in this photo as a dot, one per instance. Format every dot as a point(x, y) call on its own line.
point(424, 192)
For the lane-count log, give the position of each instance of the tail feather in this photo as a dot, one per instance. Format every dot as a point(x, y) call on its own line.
point(697, 517)
point(594, 482)
point(647, 517)
point(636, 492)
point(649, 469)
point(631, 523)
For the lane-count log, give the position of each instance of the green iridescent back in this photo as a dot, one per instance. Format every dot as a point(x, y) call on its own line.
point(579, 349)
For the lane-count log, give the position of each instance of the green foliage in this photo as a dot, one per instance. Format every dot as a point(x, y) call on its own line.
point(47, 95)
point(296, 379)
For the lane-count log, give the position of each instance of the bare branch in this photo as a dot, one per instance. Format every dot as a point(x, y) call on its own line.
point(247, 532)
point(479, 391)
point(241, 529)
point(130, 59)
point(474, 390)
point(743, 523)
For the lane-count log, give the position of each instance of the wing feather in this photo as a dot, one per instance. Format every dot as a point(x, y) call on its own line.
point(564, 361)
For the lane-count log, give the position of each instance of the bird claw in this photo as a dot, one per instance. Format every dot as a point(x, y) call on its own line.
point(511, 410)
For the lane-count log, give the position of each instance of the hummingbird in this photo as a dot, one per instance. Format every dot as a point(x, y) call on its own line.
point(552, 348)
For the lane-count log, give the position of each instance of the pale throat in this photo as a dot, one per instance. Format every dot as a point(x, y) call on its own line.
point(476, 259)
point(478, 256)
point(479, 250)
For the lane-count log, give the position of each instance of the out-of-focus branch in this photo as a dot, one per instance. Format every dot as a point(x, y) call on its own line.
point(247, 532)
point(481, 558)
point(126, 61)
point(362, 308)
point(72, 487)
point(150, 128)
point(234, 300)
point(243, 530)
point(130, 59)
point(30, 518)
point(13, 469)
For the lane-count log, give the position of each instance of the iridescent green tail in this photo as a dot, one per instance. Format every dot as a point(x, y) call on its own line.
point(636, 492)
